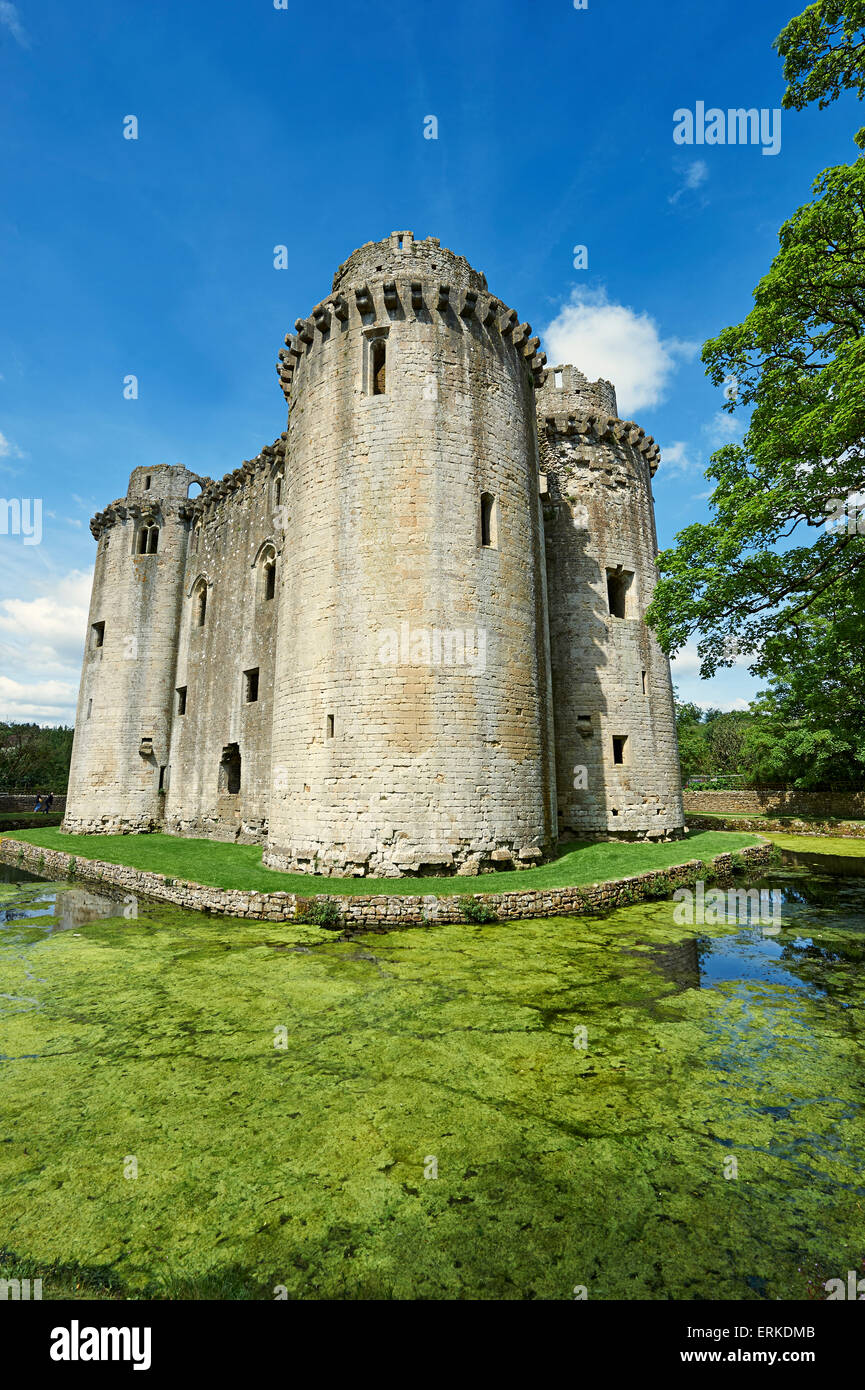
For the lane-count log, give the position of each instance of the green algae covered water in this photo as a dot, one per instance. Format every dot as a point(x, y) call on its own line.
point(626, 1105)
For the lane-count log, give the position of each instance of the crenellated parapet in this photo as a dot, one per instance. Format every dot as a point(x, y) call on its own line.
point(214, 491)
point(401, 254)
point(386, 281)
point(592, 427)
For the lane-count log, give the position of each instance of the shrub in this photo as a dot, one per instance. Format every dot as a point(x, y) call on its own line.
point(321, 912)
point(475, 911)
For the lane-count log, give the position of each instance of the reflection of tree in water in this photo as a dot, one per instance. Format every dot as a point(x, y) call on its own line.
point(679, 963)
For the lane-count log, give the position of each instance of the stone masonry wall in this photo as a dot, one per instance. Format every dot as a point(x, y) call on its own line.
point(771, 801)
point(390, 755)
point(611, 681)
point(378, 910)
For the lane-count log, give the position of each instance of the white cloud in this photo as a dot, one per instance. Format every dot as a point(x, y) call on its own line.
point(676, 458)
point(41, 642)
point(8, 450)
point(9, 20)
point(731, 688)
point(695, 176)
point(721, 429)
point(617, 343)
point(39, 701)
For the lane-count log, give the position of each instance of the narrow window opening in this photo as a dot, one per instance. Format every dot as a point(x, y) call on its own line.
point(153, 540)
point(330, 726)
point(195, 531)
point(557, 379)
point(270, 579)
point(618, 583)
point(147, 483)
point(619, 742)
point(277, 491)
point(201, 606)
point(488, 520)
point(251, 686)
point(89, 708)
point(181, 699)
point(162, 779)
point(643, 679)
point(614, 811)
point(142, 541)
point(229, 770)
point(399, 242)
point(378, 368)
point(98, 634)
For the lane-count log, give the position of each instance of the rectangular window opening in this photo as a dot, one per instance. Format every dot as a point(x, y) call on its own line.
point(162, 779)
point(489, 529)
point(147, 483)
point(618, 584)
point(378, 366)
point(330, 726)
point(251, 686)
point(89, 708)
point(270, 580)
point(557, 380)
point(643, 679)
point(98, 631)
point(619, 744)
point(181, 699)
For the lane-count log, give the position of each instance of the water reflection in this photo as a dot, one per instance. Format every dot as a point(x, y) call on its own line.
point(55, 907)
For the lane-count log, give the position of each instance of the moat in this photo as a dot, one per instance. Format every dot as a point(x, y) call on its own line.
point(235, 1109)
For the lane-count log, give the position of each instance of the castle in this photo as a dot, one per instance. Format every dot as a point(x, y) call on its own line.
point(408, 635)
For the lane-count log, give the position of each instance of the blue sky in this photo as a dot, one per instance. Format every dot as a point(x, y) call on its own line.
point(304, 126)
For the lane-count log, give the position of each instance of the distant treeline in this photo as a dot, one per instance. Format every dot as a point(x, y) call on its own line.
point(764, 746)
point(34, 757)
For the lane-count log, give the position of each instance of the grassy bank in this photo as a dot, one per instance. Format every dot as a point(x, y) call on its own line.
point(220, 865)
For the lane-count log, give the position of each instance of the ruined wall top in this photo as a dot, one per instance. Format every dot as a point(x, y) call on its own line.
point(165, 482)
point(401, 254)
point(567, 391)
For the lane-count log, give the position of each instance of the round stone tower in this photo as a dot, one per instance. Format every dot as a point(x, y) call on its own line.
point(412, 699)
point(119, 768)
point(616, 755)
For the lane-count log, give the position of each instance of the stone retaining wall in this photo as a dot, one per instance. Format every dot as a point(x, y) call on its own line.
point(380, 909)
point(845, 829)
point(11, 802)
point(774, 802)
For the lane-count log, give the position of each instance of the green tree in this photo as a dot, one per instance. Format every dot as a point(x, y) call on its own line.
point(778, 573)
point(824, 53)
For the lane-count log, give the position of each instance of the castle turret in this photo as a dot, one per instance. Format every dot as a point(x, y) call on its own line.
point(412, 716)
point(617, 764)
point(119, 768)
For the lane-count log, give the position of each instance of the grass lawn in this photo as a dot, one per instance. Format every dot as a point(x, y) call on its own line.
point(835, 845)
point(766, 815)
point(221, 865)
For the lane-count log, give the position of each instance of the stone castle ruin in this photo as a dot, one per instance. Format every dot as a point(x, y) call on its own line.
point(408, 635)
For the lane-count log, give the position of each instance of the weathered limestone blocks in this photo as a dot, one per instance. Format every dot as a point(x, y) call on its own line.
point(384, 644)
point(379, 910)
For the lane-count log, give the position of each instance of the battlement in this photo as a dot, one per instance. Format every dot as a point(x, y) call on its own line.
point(566, 390)
point(375, 302)
point(588, 426)
point(169, 485)
point(400, 254)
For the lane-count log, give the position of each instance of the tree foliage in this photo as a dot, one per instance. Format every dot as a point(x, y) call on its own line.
point(34, 758)
point(824, 53)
